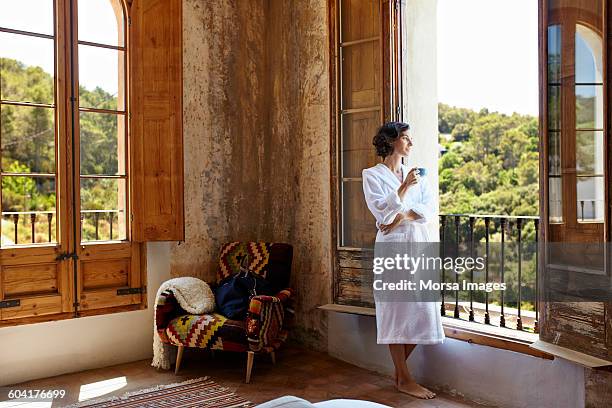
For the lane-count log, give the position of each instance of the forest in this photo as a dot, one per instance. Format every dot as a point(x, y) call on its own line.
point(29, 147)
point(489, 165)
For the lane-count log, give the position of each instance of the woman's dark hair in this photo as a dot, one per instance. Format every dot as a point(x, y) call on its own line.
point(386, 135)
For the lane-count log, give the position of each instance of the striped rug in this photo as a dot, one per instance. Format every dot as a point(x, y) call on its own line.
point(199, 392)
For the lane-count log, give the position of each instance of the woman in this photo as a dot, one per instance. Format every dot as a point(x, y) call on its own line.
point(402, 203)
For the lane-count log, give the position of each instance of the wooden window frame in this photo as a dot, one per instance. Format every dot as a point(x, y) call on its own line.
point(569, 229)
point(594, 319)
point(92, 277)
point(349, 263)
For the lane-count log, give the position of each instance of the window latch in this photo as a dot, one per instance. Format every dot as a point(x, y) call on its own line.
point(67, 255)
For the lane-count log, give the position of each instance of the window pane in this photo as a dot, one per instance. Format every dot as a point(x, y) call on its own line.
point(555, 209)
point(554, 154)
point(103, 205)
point(358, 153)
point(28, 139)
point(28, 201)
point(589, 106)
point(35, 16)
point(102, 143)
point(358, 224)
point(26, 76)
point(589, 65)
point(554, 54)
point(360, 19)
point(589, 152)
point(590, 192)
point(554, 104)
point(101, 21)
point(101, 72)
point(360, 75)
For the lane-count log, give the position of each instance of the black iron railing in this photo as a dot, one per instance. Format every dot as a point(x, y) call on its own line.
point(514, 241)
point(95, 225)
point(33, 218)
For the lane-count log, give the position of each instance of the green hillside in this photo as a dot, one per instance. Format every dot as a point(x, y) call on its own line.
point(28, 145)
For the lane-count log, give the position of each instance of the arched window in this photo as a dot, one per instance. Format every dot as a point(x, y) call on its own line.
point(574, 273)
point(576, 126)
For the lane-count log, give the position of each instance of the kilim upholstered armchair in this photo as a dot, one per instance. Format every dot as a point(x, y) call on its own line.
point(268, 319)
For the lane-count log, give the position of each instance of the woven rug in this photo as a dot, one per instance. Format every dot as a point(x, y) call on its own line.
point(199, 392)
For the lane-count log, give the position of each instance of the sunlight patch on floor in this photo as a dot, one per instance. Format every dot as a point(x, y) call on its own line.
point(97, 389)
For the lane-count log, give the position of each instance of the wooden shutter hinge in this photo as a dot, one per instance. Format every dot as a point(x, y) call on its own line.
point(131, 291)
point(10, 303)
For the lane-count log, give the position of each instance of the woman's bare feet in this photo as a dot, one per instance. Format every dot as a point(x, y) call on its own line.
point(413, 389)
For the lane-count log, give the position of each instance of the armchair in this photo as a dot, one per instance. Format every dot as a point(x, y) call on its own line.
point(268, 319)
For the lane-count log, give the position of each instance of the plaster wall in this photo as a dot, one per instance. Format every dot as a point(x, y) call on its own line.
point(256, 136)
point(479, 373)
point(420, 87)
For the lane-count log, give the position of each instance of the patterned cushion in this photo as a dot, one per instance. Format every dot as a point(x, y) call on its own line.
point(232, 253)
point(265, 321)
point(272, 261)
point(212, 331)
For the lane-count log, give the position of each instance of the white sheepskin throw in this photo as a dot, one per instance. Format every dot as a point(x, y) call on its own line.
point(195, 296)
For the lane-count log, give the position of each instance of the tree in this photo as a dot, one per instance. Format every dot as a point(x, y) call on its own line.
point(28, 139)
point(494, 170)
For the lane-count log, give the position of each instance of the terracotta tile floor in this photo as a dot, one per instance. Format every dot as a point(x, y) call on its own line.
point(307, 374)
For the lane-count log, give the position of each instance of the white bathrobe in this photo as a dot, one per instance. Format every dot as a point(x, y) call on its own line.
point(402, 322)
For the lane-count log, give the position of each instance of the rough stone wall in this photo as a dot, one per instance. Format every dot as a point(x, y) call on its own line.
point(257, 136)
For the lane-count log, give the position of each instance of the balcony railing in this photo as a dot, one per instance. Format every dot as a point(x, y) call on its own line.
point(514, 239)
point(44, 219)
point(38, 227)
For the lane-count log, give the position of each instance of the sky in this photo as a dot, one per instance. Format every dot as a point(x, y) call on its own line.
point(488, 54)
point(97, 23)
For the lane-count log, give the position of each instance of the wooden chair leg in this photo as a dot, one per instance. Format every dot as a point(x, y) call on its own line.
point(250, 356)
point(179, 357)
point(273, 356)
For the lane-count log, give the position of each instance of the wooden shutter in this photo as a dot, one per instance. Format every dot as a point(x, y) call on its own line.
point(111, 276)
point(156, 147)
point(364, 43)
point(33, 285)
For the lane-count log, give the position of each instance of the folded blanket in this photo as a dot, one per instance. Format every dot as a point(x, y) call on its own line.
point(194, 296)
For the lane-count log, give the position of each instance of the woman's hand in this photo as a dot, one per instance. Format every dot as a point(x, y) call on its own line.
point(386, 228)
point(411, 179)
point(410, 216)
